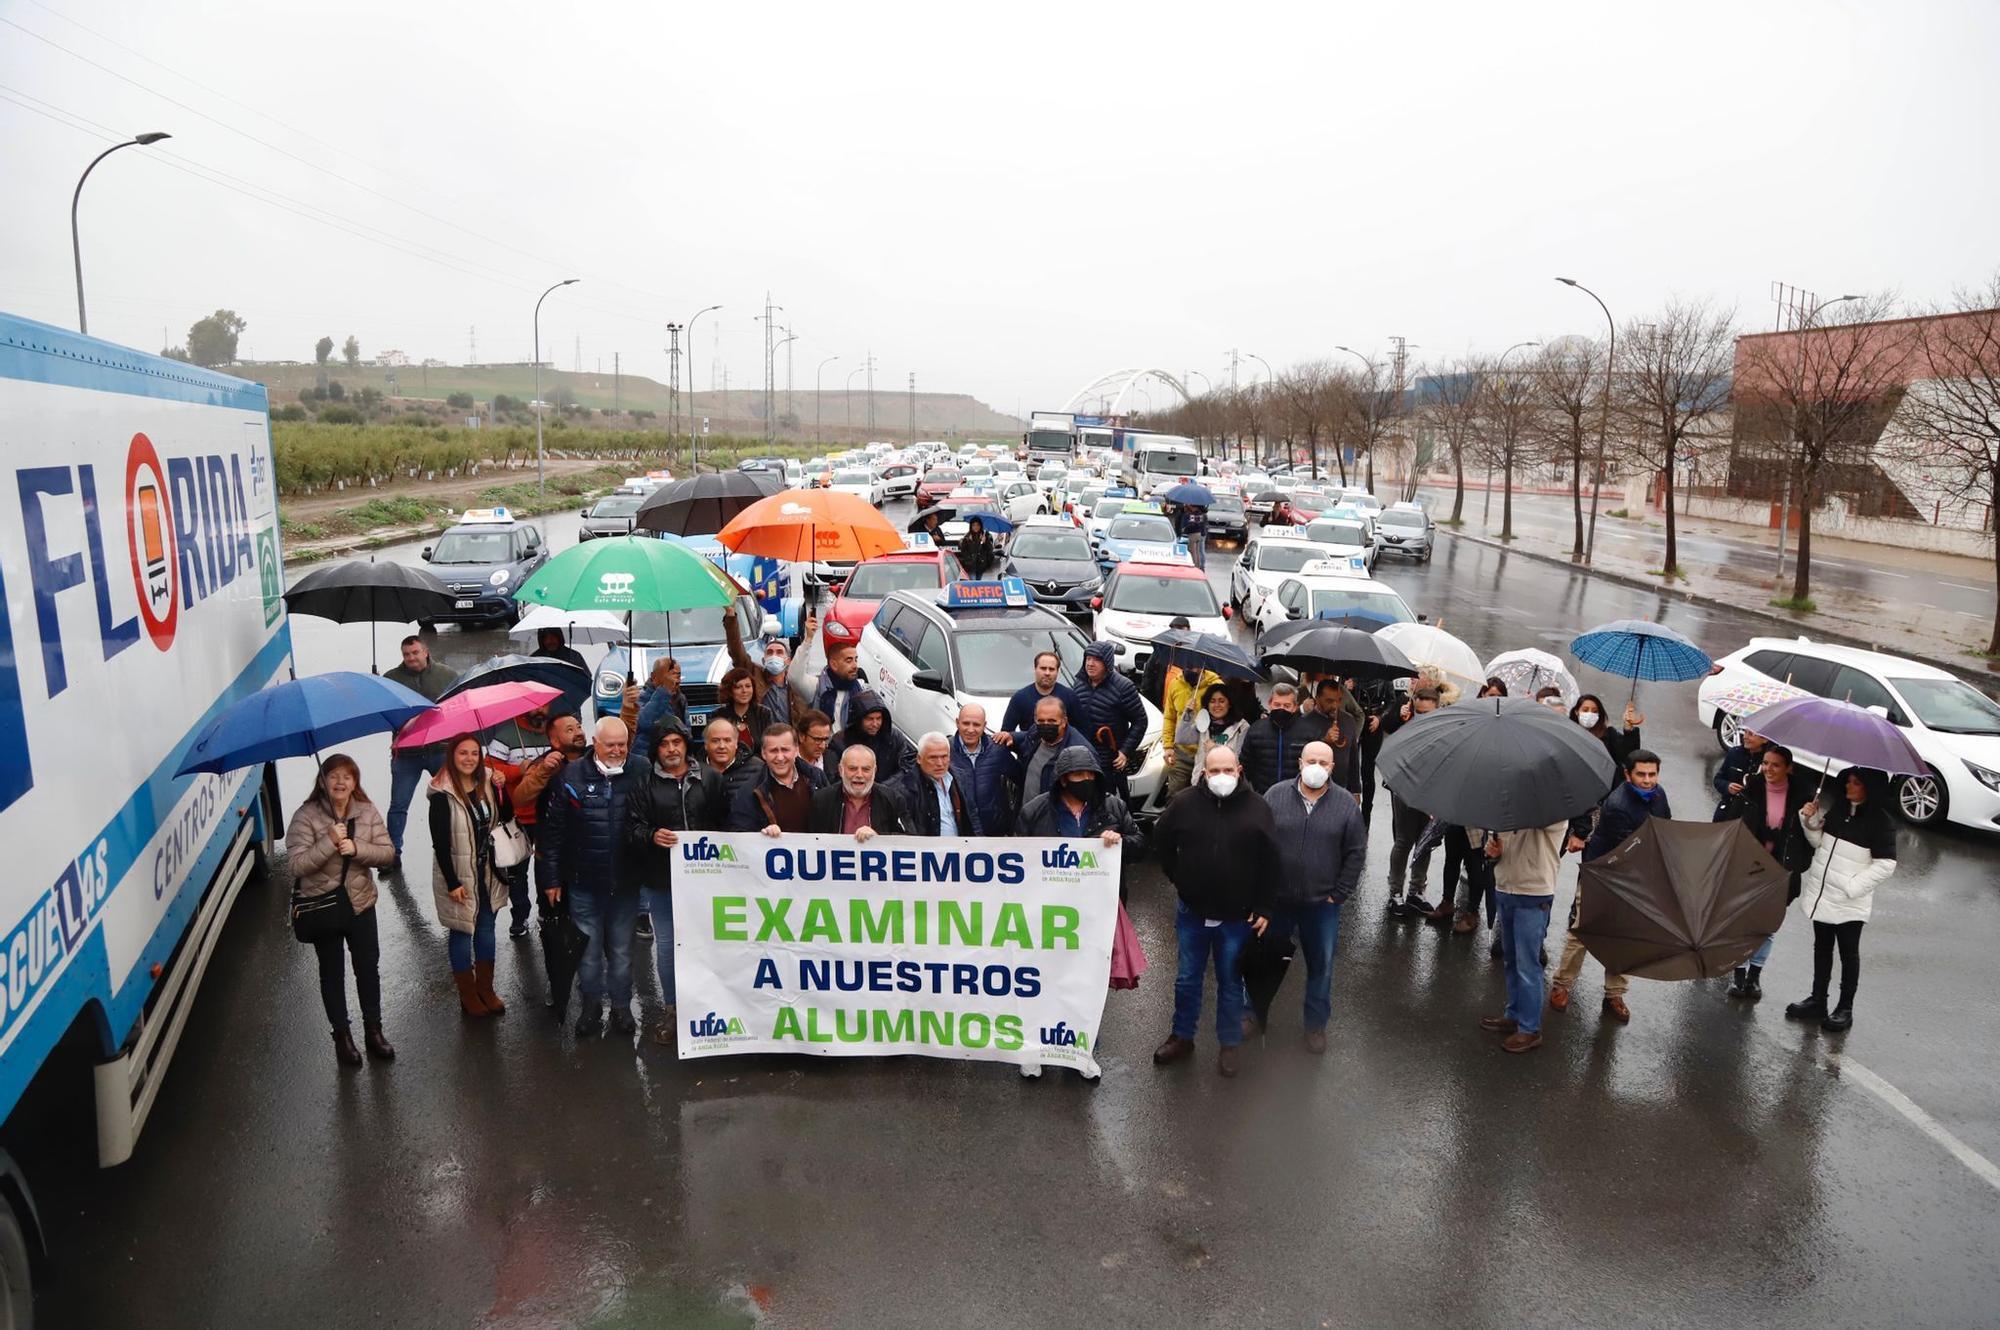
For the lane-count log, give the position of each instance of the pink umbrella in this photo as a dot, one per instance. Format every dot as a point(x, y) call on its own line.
point(475, 709)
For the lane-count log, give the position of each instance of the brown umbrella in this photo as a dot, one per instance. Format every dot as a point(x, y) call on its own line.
point(1680, 900)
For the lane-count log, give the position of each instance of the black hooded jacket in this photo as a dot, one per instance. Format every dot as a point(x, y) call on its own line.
point(1114, 705)
point(894, 755)
point(1041, 816)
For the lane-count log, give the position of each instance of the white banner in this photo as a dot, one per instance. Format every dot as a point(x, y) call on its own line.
point(992, 949)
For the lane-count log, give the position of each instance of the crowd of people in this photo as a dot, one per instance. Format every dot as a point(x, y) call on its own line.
point(1270, 795)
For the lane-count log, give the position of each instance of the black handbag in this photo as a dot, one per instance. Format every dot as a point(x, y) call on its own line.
point(328, 914)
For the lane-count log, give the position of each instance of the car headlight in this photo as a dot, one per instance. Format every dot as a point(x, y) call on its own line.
point(610, 681)
point(500, 576)
point(1990, 779)
point(1090, 584)
point(835, 628)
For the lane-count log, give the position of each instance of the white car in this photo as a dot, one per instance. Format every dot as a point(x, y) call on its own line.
point(899, 479)
point(1141, 600)
point(1020, 499)
point(1344, 539)
point(1267, 558)
point(861, 483)
point(1051, 475)
point(927, 661)
point(1329, 589)
point(1953, 726)
point(1008, 467)
point(1101, 513)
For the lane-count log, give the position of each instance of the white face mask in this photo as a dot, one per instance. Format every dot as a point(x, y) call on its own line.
point(610, 770)
point(1202, 721)
point(1222, 784)
point(1314, 775)
point(774, 664)
point(1587, 719)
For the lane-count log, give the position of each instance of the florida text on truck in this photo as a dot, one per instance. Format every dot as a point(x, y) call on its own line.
point(140, 569)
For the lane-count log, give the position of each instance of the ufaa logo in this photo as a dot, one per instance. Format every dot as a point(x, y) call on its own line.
point(616, 584)
point(795, 510)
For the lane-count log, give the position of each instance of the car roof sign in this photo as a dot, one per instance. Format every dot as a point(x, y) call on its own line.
point(919, 541)
point(487, 515)
point(1007, 593)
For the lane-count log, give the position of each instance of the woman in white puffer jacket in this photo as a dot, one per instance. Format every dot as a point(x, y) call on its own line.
point(1854, 851)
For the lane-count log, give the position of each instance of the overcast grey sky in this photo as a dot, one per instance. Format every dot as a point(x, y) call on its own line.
point(1008, 200)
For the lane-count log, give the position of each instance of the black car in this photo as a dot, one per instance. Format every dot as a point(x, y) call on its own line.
point(1227, 520)
point(1054, 558)
point(483, 560)
point(610, 516)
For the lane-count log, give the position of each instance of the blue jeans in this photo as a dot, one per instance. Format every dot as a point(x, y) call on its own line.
point(518, 896)
point(406, 774)
point(1524, 926)
point(1317, 928)
point(464, 948)
point(609, 921)
point(1197, 943)
point(1762, 955)
point(660, 908)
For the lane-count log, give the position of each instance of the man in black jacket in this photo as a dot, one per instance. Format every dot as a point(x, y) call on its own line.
point(856, 805)
point(1272, 745)
point(1217, 844)
point(668, 797)
point(1110, 713)
point(938, 806)
point(1078, 807)
point(732, 768)
point(1406, 821)
point(1637, 798)
point(1343, 733)
point(1378, 702)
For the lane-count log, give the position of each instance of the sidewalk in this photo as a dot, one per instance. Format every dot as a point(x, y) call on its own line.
point(1741, 578)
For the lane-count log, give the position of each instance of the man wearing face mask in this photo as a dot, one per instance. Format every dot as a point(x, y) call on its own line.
point(1272, 746)
point(856, 805)
point(1218, 847)
point(1038, 748)
point(770, 671)
point(1078, 807)
point(1323, 845)
point(1637, 798)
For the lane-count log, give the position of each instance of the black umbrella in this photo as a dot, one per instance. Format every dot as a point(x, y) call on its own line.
point(1264, 964)
point(1177, 646)
point(1347, 652)
point(563, 944)
point(1500, 764)
point(701, 504)
point(573, 679)
point(365, 591)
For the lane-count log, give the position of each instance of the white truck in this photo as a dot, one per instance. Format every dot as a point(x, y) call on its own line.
point(1051, 437)
point(143, 592)
point(1162, 461)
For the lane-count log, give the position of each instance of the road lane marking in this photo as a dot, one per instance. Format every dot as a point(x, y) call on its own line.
point(1960, 586)
point(1982, 1167)
point(1900, 577)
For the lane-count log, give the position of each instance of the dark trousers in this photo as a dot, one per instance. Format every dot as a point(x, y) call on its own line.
point(1407, 823)
point(1848, 937)
point(1457, 852)
point(360, 939)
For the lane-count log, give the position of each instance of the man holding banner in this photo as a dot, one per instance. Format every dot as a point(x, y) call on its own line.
point(855, 805)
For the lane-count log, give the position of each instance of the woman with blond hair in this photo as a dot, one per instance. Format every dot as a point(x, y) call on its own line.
point(465, 806)
point(336, 836)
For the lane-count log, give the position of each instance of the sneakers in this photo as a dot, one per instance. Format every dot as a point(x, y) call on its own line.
point(1521, 1042)
point(1616, 1010)
point(1173, 1050)
point(517, 930)
point(645, 927)
point(1418, 905)
point(1398, 907)
point(1559, 998)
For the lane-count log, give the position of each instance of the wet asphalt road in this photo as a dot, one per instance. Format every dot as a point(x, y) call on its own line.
point(1707, 1164)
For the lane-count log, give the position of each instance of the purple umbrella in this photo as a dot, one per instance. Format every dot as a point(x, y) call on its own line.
point(1840, 731)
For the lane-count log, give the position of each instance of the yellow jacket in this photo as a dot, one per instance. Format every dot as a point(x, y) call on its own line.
point(1180, 693)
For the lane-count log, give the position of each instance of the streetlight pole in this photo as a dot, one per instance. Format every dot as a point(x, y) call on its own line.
point(848, 394)
point(541, 491)
point(1371, 367)
point(690, 332)
point(75, 237)
point(1785, 504)
point(1603, 419)
point(770, 424)
point(816, 417)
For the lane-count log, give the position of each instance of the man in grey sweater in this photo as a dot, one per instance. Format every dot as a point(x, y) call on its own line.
point(1323, 844)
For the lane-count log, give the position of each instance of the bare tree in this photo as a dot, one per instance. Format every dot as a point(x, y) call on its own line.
point(1454, 414)
point(1568, 387)
point(1362, 415)
point(1252, 412)
point(1674, 377)
point(1820, 397)
point(1952, 416)
point(1508, 408)
point(1302, 399)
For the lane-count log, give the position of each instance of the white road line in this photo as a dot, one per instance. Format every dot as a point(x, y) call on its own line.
point(1960, 586)
point(1967, 613)
point(1900, 577)
point(1982, 1167)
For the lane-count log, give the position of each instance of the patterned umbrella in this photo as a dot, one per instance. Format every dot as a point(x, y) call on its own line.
point(1746, 698)
point(1839, 731)
point(1638, 649)
point(1529, 670)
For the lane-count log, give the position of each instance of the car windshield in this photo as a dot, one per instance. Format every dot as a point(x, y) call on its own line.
point(1170, 464)
point(617, 505)
point(1227, 503)
point(1395, 517)
point(1287, 558)
point(1145, 594)
point(1386, 605)
point(1046, 543)
point(1141, 526)
point(1950, 705)
point(469, 547)
point(1107, 509)
point(942, 476)
point(993, 661)
point(1253, 488)
point(702, 627)
point(861, 478)
point(874, 581)
point(1338, 533)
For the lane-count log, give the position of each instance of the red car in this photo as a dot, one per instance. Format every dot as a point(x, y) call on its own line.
point(937, 483)
point(873, 579)
point(1301, 506)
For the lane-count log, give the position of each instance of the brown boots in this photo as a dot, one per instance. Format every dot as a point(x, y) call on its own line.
point(475, 990)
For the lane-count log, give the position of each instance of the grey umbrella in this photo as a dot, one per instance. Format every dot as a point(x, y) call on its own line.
point(1499, 764)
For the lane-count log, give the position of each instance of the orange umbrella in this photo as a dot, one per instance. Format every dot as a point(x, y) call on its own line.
point(809, 526)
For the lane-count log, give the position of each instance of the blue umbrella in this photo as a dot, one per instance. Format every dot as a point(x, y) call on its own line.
point(1206, 651)
point(1636, 649)
point(1191, 494)
point(301, 717)
point(992, 519)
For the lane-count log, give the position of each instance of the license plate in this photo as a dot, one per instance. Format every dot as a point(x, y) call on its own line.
point(462, 605)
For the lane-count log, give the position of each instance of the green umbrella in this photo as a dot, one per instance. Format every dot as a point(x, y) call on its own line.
point(625, 574)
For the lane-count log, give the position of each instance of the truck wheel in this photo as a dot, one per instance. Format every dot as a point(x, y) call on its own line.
point(17, 1289)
